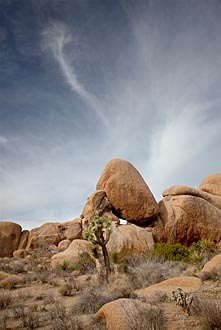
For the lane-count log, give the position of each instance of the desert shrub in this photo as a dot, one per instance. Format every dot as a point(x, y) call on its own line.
point(66, 289)
point(4, 318)
point(65, 266)
point(115, 257)
point(28, 317)
point(172, 252)
point(85, 263)
point(208, 311)
point(94, 297)
point(149, 318)
point(90, 301)
point(5, 299)
point(201, 251)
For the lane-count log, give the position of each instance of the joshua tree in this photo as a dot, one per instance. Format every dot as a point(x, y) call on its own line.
point(98, 232)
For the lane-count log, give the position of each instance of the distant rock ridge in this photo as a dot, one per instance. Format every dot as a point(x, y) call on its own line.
point(184, 215)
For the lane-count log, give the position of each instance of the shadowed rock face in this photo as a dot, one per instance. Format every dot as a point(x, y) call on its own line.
point(10, 234)
point(127, 192)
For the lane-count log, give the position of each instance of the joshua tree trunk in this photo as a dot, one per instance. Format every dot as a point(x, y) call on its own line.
point(106, 260)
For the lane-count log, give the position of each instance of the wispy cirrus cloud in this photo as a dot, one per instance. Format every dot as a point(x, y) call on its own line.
point(56, 37)
point(3, 140)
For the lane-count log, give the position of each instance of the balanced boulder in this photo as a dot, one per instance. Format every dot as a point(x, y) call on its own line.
point(127, 192)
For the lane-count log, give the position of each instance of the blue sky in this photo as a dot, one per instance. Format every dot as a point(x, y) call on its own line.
point(84, 81)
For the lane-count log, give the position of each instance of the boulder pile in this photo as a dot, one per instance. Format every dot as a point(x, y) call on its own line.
point(184, 215)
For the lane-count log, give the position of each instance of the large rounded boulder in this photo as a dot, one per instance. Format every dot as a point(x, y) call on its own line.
point(10, 234)
point(127, 192)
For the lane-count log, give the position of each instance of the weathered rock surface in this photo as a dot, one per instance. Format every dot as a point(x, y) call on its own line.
point(188, 215)
point(10, 234)
point(72, 253)
point(71, 229)
point(127, 191)
point(130, 239)
point(186, 283)
point(121, 313)
point(98, 203)
point(212, 184)
point(52, 233)
point(24, 239)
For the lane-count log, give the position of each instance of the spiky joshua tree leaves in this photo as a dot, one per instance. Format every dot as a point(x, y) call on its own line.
point(98, 232)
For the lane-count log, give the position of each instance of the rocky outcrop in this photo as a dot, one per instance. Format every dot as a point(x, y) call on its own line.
point(53, 233)
point(187, 215)
point(10, 234)
point(127, 192)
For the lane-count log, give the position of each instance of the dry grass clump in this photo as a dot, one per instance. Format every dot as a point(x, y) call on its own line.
point(5, 299)
point(208, 311)
point(69, 287)
point(60, 319)
point(94, 297)
point(28, 317)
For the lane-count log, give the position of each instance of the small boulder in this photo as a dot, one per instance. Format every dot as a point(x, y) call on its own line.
point(21, 253)
point(72, 253)
point(127, 192)
point(63, 245)
point(212, 184)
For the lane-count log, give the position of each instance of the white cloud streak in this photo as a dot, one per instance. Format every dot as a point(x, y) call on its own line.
point(56, 37)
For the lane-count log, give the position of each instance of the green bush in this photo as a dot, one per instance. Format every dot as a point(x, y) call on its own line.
point(171, 252)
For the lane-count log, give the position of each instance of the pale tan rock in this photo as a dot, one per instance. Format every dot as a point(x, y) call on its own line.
point(186, 283)
point(24, 239)
point(121, 313)
point(21, 253)
point(127, 192)
point(43, 236)
point(189, 215)
point(214, 265)
point(10, 234)
point(52, 233)
point(10, 282)
point(63, 245)
point(130, 239)
point(71, 229)
point(212, 184)
point(72, 253)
